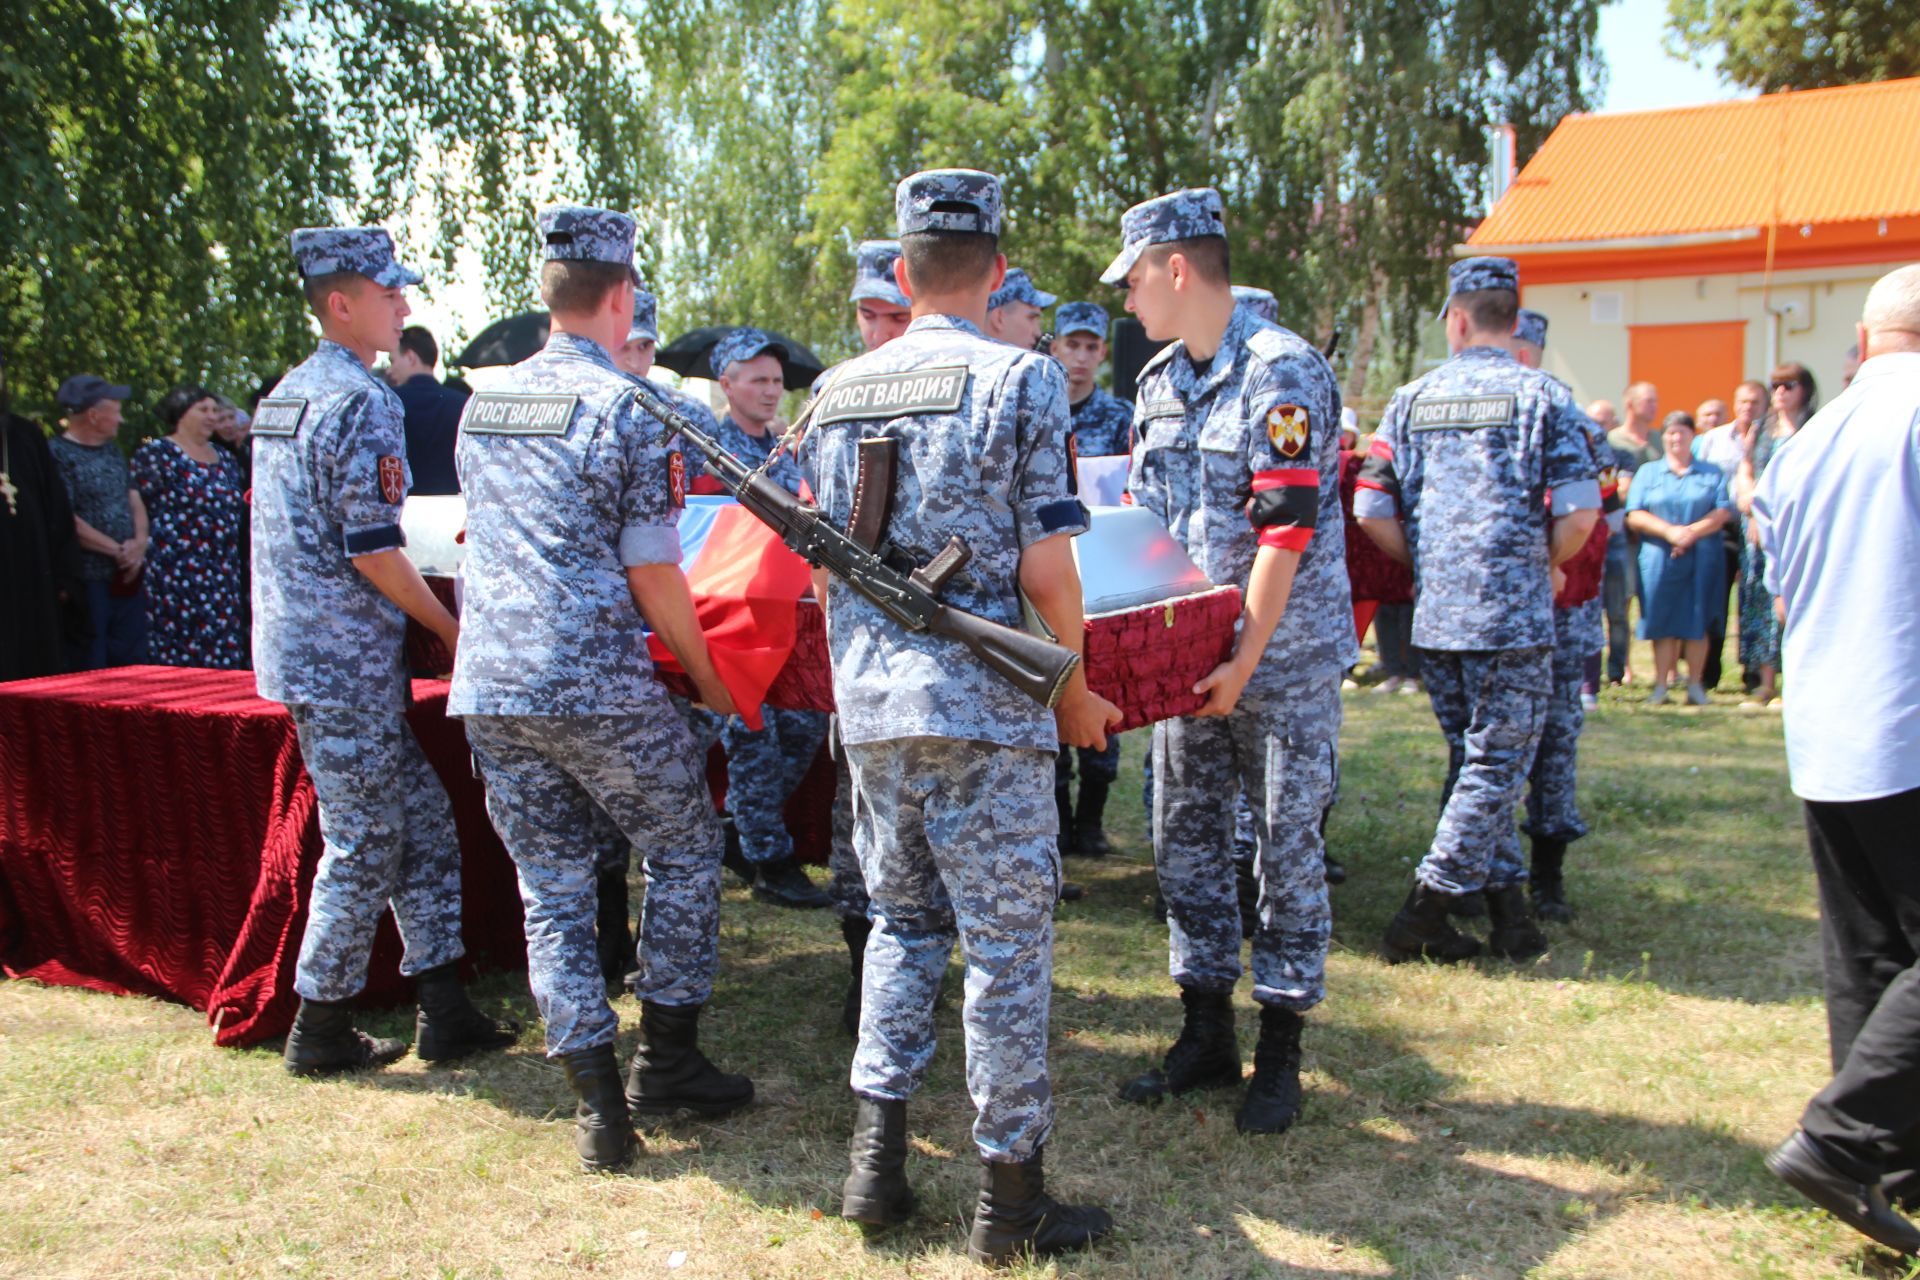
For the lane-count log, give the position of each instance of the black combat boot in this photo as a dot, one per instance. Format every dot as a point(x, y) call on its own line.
point(1336, 871)
point(602, 1129)
point(1468, 906)
point(1420, 929)
point(1089, 819)
point(1548, 890)
point(1273, 1095)
point(613, 925)
point(876, 1193)
point(1016, 1218)
point(324, 1042)
point(784, 884)
point(669, 1073)
point(1206, 1055)
point(732, 856)
point(448, 1026)
point(1063, 805)
point(855, 930)
point(1513, 935)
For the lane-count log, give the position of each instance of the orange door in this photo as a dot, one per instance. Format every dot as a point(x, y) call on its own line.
point(1689, 363)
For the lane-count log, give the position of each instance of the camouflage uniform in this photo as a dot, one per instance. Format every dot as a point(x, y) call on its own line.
point(951, 762)
point(1102, 426)
point(873, 273)
point(1019, 287)
point(568, 485)
point(1259, 301)
point(764, 766)
point(329, 479)
point(1242, 455)
point(1466, 454)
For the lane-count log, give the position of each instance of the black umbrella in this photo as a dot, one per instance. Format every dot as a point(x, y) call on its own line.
point(687, 356)
point(506, 341)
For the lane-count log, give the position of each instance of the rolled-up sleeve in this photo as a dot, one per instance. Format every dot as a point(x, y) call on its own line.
point(1043, 500)
point(369, 464)
point(649, 519)
point(1376, 491)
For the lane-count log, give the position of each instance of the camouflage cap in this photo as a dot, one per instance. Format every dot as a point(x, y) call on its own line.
point(1081, 317)
point(1471, 275)
point(645, 310)
point(1259, 301)
point(1531, 327)
point(1019, 287)
point(947, 200)
point(873, 273)
point(322, 251)
point(577, 233)
point(742, 344)
point(1179, 215)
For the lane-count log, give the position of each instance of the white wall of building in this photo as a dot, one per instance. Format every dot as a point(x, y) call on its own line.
point(1587, 339)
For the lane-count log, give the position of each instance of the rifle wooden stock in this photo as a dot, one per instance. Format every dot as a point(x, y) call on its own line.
point(1036, 666)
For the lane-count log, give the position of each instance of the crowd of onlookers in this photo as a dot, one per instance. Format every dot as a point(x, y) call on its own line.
point(1690, 545)
point(110, 560)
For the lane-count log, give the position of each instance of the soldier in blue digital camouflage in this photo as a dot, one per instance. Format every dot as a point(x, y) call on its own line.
point(1102, 426)
point(951, 762)
point(879, 308)
point(1236, 448)
point(765, 765)
point(572, 555)
point(1467, 455)
point(613, 928)
point(332, 590)
point(1259, 301)
point(1579, 631)
point(1013, 312)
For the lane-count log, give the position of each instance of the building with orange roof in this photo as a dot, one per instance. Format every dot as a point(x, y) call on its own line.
point(1696, 247)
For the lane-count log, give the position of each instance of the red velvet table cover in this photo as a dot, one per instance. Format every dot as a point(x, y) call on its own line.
point(158, 836)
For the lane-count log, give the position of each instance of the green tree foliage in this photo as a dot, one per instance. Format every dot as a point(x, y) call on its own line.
point(1772, 45)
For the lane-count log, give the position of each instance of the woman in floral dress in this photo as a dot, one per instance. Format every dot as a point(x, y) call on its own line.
point(196, 505)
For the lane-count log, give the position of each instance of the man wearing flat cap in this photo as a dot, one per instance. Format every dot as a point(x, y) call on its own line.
point(1483, 478)
point(951, 763)
point(1013, 312)
point(573, 553)
point(1237, 449)
point(332, 590)
point(764, 766)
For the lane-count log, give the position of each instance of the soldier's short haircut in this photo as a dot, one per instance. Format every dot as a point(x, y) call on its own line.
point(418, 341)
point(317, 288)
point(1489, 310)
point(574, 287)
point(945, 261)
point(1207, 255)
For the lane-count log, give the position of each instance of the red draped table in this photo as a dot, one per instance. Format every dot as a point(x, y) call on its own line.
point(158, 836)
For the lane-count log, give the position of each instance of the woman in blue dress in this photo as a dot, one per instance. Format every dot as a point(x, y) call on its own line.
point(1677, 505)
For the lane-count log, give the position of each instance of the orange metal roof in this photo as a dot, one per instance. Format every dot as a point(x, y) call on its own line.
point(1821, 155)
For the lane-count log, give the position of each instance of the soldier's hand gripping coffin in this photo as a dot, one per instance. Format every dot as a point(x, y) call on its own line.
point(1036, 666)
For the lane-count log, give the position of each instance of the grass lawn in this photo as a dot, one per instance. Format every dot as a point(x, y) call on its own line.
point(1601, 1112)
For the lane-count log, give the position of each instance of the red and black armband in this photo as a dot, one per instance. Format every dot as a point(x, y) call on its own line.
point(1285, 506)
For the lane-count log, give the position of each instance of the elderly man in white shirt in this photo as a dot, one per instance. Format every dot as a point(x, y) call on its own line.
point(1839, 516)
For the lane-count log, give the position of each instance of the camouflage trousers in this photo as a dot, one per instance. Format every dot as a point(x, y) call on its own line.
point(1492, 706)
point(939, 821)
point(1553, 810)
point(1099, 765)
point(613, 850)
point(763, 769)
point(1281, 750)
point(387, 827)
point(1245, 825)
point(544, 775)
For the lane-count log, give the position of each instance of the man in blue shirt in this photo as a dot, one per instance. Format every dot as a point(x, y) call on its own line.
point(432, 411)
point(1838, 513)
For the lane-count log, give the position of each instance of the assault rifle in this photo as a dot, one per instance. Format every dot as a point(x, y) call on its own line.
point(1038, 667)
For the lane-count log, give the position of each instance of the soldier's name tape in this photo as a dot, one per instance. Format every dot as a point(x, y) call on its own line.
point(894, 395)
point(278, 417)
point(1165, 409)
point(511, 413)
point(1461, 413)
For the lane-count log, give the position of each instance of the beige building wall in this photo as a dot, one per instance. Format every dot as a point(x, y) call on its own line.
point(1587, 342)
